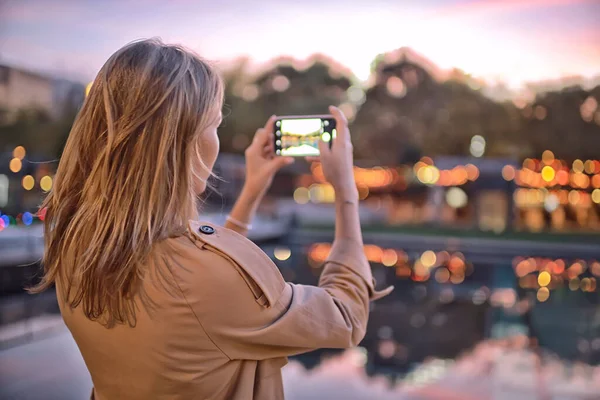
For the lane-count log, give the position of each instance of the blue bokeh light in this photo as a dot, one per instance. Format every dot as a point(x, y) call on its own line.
point(27, 218)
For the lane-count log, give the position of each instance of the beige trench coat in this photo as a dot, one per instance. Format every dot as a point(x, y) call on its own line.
point(222, 320)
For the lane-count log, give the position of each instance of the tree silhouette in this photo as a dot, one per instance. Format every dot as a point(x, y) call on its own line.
point(282, 89)
point(412, 104)
point(554, 121)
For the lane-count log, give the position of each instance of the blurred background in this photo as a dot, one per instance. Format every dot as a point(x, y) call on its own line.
point(476, 127)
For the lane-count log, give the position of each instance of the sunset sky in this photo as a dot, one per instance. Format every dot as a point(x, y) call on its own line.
point(509, 40)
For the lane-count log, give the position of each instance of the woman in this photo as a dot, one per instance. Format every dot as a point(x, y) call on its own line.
point(162, 306)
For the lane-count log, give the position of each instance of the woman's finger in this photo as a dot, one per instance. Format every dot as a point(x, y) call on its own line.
point(341, 124)
point(269, 124)
point(264, 135)
point(258, 136)
point(338, 115)
point(311, 159)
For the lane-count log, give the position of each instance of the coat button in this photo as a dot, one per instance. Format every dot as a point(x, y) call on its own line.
point(208, 230)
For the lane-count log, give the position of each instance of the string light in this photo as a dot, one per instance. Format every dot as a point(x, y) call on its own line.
point(15, 165)
point(19, 152)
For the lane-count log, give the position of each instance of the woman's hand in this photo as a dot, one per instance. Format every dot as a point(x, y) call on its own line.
point(338, 161)
point(261, 167)
point(261, 162)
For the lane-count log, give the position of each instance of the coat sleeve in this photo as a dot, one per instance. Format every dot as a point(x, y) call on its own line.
point(250, 312)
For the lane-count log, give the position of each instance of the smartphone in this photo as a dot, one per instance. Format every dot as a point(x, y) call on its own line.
point(299, 136)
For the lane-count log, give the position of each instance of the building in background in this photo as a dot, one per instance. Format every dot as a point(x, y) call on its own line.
point(25, 90)
point(20, 89)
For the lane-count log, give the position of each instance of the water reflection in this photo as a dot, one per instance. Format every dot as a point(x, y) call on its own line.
point(445, 305)
point(498, 369)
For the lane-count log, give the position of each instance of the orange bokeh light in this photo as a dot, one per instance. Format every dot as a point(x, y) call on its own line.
point(403, 272)
point(562, 177)
point(373, 253)
point(319, 252)
point(427, 160)
point(574, 270)
point(456, 264)
point(472, 172)
point(445, 178)
point(459, 175)
point(508, 172)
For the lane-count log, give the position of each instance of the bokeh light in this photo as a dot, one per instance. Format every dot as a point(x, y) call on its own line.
point(428, 175)
point(250, 92)
point(575, 198)
point(574, 284)
point(28, 182)
point(42, 213)
point(428, 259)
point(15, 165)
point(578, 166)
point(544, 278)
point(548, 157)
point(363, 192)
point(442, 275)
point(389, 258)
point(508, 172)
point(395, 87)
point(477, 147)
point(282, 253)
point(356, 95)
point(548, 173)
point(456, 197)
point(585, 284)
point(543, 294)
point(596, 196)
point(589, 167)
point(472, 172)
point(46, 183)
point(551, 203)
point(19, 152)
point(88, 87)
point(301, 195)
point(280, 83)
point(457, 278)
point(540, 112)
point(27, 218)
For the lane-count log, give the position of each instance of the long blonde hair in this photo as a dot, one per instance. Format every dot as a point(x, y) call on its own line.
point(126, 176)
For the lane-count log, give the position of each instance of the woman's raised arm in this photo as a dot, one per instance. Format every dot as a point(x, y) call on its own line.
point(261, 167)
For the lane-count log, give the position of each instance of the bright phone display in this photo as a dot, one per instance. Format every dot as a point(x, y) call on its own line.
point(299, 136)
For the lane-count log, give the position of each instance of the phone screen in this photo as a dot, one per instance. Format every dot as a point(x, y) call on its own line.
point(300, 136)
